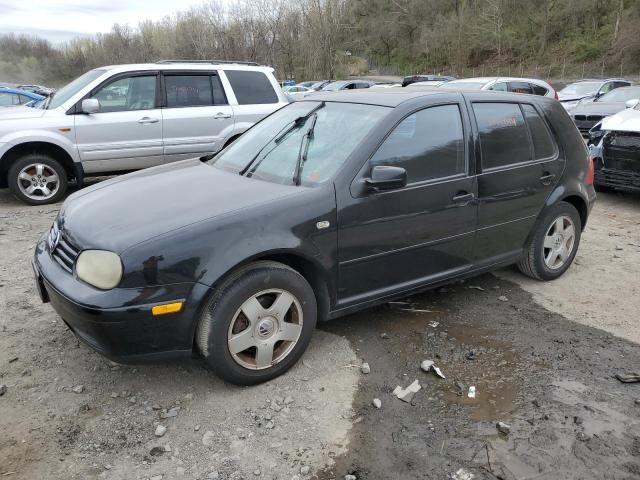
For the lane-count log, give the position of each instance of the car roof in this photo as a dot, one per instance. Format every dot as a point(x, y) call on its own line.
point(392, 97)
point(185, 66)
point(493, 79)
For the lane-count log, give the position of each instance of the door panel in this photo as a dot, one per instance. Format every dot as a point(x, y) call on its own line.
point(196, 117)
point(395, 240)
point(127, 129)
point(521, 165)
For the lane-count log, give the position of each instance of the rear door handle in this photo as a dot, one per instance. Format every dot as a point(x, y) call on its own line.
point(220, 116)
point(547, 178)
point(463, 198)
point(144, 120)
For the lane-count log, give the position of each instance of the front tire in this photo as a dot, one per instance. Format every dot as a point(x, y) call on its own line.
point(554, 243)
point(257, 324)
point(37, 179)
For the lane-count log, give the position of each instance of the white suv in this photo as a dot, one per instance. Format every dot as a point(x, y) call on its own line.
point(126, 117)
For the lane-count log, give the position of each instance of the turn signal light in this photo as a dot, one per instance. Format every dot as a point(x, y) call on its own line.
point(174, 307)
point(589, 178)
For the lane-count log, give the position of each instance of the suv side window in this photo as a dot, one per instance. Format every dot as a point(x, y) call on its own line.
point(499, 87)
point(504, 138)
point(620, 84)
point(128, 94)
point(543, 144)
point(428, 144)
point(188, 90)
point(251, 87)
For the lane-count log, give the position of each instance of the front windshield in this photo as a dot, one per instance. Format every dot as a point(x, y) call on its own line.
point(621, 95)
point(463, 85)
point(70, 89)
point(580, 88)
point(274, 147)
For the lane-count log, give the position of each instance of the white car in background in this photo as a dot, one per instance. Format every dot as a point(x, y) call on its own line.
point(532, 86)
point(297, 91)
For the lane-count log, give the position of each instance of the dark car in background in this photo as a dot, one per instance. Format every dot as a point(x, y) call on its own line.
point(425, 78)
point(571, 95)
point(587, 114)
point(332, 204)
point(321, 84)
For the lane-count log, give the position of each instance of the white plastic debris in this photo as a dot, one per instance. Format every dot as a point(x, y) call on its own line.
point(462, 474)
point(438, 372)
point(472, 392)
point(406, 394)
point(365, 368)
point(434, 324)
point(377, 403)
point(428, 365)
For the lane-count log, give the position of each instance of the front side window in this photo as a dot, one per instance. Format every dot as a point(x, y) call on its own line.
point(7, 99)
point(128, 94)
point(504, 139)
point(251, 87)
point(70, 89)
point(499, 87)
point(188, 91)
point(428, 144)
point(307, 140)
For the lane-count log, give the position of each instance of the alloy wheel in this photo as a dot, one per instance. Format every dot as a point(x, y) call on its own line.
point(38, 181)
point(559, 242)
point(265, 329)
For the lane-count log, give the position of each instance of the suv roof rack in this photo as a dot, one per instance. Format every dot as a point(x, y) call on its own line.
point(213, 62)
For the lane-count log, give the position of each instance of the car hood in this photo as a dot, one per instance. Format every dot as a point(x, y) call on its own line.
point(572, 97)
point(598, 108)
point(626, 121)
point(20, 111)
point(119, 213)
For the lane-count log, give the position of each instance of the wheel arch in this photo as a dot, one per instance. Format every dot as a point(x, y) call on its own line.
point(580, 205)
point(310, 269)
point(56, 151)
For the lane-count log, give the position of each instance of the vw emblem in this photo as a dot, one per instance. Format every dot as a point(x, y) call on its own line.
point(54, 237)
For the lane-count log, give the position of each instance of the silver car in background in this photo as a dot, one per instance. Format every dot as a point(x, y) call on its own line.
point(532, 86)
point(121, 118)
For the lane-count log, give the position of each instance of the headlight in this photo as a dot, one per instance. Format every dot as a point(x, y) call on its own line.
point(99, 268)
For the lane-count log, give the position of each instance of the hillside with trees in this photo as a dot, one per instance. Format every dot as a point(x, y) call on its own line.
point(334, 38)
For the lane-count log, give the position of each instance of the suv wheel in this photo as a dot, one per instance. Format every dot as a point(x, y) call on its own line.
point(554, 243)
point(37, 179)
point(257, 324)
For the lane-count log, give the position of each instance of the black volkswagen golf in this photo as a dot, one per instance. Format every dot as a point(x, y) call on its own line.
point(328, 206)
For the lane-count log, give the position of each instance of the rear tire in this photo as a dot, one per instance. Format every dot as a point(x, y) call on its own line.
point(37, 179)
point(553, 244)
point(257, 323)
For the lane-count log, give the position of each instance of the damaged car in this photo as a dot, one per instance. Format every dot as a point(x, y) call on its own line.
point(615, 149)
point(587, 115)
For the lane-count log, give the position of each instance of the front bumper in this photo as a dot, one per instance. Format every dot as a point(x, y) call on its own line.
point(620, 179)
point(118, 323)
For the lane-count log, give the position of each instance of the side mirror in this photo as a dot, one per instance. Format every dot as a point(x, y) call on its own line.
point(633, 103)
point(90, 105)
point(387, 178)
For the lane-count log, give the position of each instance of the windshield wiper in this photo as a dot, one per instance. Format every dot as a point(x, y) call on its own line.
point(304, 150)
point(48, 101)
point(297, 123)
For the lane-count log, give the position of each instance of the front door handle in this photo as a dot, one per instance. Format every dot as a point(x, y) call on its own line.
point(547, 178)
point(145, 120)
point(220, 116)
point(463, 198)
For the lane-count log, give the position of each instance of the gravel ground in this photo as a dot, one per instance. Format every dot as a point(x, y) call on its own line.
point(543, 362)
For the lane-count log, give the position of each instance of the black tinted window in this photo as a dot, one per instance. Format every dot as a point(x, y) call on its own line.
point(429, 144)
point(539, 89)
point(188, 90)
point(520, 87)
point(251, 87)
point(503, 134)
point(219, 97)
point(543, 145)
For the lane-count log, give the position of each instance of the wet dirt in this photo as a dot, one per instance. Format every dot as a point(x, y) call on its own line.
point(551, 380)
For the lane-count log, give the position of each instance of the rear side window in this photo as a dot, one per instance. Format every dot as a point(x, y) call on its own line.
point(543, 144)
point(520, 87)
point(504, 139)
point(428, 144)
point(251, 87)
point(539, 89)
point(188, 91)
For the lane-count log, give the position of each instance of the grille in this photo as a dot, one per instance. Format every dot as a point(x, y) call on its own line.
point(64, 252)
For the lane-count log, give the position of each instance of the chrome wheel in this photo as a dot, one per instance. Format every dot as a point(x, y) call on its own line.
point(559, 242)
point(38, 181)
point(265, 329)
